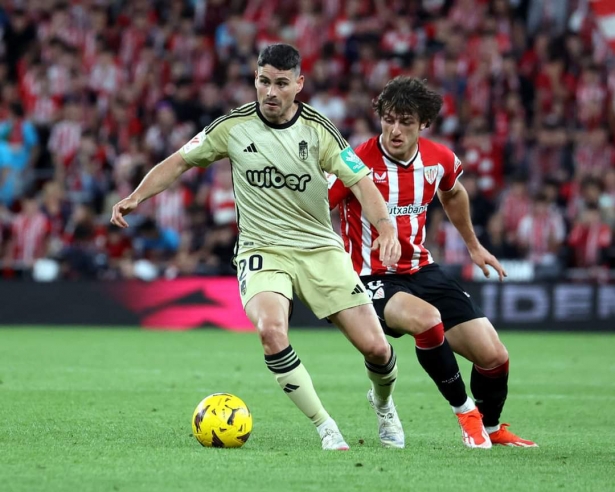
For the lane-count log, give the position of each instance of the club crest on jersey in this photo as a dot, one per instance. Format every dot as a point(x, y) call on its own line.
point(303, 149)
point(431, 173)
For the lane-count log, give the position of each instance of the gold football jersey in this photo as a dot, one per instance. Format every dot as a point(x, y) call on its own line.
point(279, 175)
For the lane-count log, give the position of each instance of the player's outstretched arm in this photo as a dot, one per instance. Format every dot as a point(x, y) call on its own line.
point(158, 179)
point(456, 204)
point(375, 209)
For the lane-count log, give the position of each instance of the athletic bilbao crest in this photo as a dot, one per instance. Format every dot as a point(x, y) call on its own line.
point(431, 173)
point(303, 150)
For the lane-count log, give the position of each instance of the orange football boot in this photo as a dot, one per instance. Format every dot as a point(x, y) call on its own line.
point(504, 437)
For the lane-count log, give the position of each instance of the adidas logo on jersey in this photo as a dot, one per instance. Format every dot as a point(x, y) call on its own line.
point(358, 289)
point(250, 148)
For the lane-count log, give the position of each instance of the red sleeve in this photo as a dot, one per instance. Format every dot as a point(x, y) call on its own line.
point(452, 169)
point(604, 238)
point(337, 191)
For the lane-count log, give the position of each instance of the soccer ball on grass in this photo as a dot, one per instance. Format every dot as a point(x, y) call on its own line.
point(222, 420)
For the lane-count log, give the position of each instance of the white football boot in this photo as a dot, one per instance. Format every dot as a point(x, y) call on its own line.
point(331, 437)
point(389, 426)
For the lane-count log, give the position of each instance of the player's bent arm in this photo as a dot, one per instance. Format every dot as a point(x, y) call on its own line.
point(373, 205)
point(160, 177)
point(456, 204)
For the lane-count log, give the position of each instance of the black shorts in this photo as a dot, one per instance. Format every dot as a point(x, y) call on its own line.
point(430, 284)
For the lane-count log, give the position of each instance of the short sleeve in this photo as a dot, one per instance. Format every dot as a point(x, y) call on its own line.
point(343, 162)
point(206, 147)
point(452, 170)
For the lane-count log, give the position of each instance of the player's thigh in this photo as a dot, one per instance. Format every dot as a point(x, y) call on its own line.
point(361, 326)
point(398, 306)
point(405, 313)
point(264, 270)
point(268, 311)
point(326, 282)
point(478, 341)
point(265, 287)
point(435, 286)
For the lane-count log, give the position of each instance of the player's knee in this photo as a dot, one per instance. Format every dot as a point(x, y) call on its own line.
point(272, 332)
point(417, 321)
point(377, 351)
point(495, 357)
point(427, 318)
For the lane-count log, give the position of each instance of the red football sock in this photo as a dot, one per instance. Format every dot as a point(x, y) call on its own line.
point(496, 372)
point(432, 338)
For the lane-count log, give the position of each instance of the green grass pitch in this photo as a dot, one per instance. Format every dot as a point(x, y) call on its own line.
point(110, 410)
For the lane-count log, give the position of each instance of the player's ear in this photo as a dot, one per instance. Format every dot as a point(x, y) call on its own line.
point(300, 81)
point(423, 126)
point(255, 78)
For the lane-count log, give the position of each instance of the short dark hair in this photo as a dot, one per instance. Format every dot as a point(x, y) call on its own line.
point(281, 56)
point(408, 95)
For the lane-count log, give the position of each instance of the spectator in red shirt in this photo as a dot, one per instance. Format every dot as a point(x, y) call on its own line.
point(541, 232)
point(29, 234)
point(589, 239)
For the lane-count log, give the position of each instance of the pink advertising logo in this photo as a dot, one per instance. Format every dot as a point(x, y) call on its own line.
point(184, 304)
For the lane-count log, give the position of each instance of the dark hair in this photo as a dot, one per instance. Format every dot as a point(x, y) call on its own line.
point(408, 95)
point(17, 109)
point(280, 56)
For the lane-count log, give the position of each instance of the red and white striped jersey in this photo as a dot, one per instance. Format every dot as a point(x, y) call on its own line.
point(171, 206)
point(28, 234)
point(64, 139)
point(408, 188)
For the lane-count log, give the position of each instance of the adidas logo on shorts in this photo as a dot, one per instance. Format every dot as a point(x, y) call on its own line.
point(358, 289)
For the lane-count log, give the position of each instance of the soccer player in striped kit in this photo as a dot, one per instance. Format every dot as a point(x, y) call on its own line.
point(415, 296)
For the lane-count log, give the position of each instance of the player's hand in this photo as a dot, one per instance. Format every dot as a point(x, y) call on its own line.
point(481, 257)
point(122, 208)
point(390, 249)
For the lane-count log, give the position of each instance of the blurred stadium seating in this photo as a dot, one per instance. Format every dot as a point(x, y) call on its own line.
point(93, 93)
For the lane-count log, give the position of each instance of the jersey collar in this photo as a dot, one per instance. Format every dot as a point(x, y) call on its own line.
point(280, 126)
point(407, 163)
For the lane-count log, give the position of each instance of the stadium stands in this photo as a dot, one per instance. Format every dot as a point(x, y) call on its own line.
point(94, 93)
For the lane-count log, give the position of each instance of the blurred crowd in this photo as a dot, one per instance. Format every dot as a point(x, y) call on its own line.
point(93, 93)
